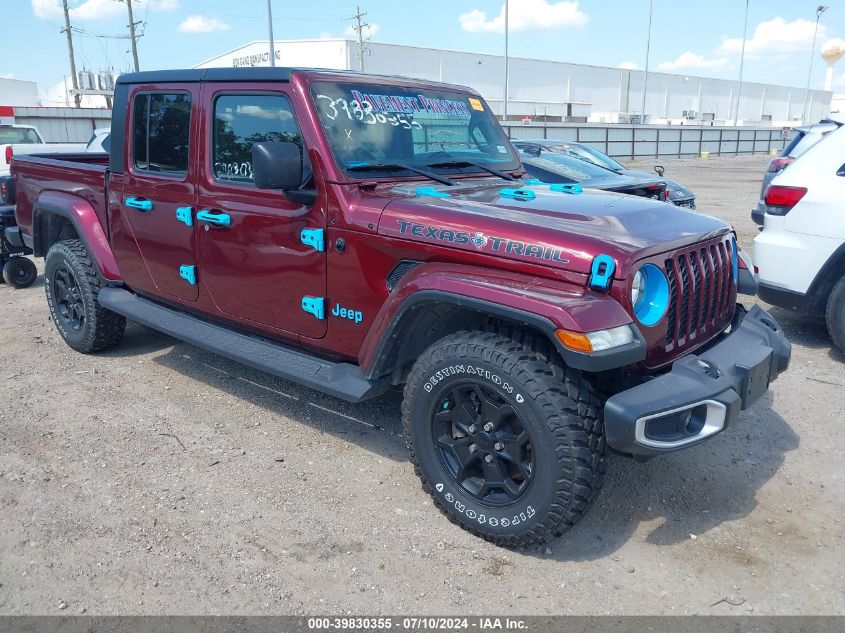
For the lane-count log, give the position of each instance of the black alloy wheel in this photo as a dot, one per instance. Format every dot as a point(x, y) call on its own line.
point(483, 444)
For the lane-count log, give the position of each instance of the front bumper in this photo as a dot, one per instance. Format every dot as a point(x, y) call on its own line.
point(702, 393)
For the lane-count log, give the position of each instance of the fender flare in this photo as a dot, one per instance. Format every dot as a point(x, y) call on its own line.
point(84, 219)
point(541, 305)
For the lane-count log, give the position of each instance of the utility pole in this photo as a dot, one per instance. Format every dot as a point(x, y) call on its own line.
point(741, 64)
point(507, 67)
point(77, 98)
point(270, 26)
point(647, 51)
point(132, 36)
point(359, 29)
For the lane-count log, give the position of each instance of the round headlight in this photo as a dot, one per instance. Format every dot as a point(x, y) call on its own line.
point(637, 288)
point(650, 297)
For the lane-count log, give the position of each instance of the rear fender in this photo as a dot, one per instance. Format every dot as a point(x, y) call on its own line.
point(52, 205)
point(433, 299)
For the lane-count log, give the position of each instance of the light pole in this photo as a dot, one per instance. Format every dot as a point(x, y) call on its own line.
point(507, 64)
point(270, 26)
point(742, 63)
point(647, 51)
point(819, 10)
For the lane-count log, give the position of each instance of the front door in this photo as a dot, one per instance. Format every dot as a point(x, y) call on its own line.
point(158, 187)
point(251, 255)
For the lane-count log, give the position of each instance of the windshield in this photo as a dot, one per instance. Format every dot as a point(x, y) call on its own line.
point(390, 128)
point(577, 169)
point(585, 152)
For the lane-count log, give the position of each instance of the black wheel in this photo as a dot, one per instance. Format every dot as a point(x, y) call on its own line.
point(20, 272)
point(72, 282)
point(508, 441)
point(835, 314)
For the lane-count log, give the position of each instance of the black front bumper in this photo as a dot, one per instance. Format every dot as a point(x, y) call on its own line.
point(702, 393)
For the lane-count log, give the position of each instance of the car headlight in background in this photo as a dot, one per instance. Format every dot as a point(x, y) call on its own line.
point(649, 295)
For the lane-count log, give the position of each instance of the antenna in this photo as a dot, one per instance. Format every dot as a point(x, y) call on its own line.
point(359, 27)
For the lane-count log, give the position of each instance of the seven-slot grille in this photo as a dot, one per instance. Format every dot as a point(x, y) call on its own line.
point(701, 290)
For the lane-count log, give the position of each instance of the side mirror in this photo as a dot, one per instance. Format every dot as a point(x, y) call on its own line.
point(276, 165)
point(659, 169)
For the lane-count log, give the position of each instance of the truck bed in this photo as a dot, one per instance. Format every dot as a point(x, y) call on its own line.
point(83, 175)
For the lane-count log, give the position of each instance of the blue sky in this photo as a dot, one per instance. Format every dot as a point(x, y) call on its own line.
point(699, 38)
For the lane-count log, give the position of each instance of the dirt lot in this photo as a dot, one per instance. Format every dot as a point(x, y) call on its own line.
point(158, 478)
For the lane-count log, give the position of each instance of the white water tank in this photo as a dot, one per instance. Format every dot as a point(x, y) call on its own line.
point(832, 51)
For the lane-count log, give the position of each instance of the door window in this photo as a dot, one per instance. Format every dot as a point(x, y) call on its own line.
point(240, 121)
point(161, 132)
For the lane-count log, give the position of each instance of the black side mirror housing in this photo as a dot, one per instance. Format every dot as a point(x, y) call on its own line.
point(276, 165)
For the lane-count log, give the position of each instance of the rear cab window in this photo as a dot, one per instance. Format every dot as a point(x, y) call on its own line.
point(243, 119)
point(161, 133)
point(14, 135)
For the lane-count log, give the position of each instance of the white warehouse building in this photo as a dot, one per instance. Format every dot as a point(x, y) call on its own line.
point(553, 91)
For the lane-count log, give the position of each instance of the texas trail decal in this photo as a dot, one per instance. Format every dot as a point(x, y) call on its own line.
point(481, 242)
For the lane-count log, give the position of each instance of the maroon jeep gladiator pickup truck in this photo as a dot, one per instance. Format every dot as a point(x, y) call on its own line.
point(353, 232)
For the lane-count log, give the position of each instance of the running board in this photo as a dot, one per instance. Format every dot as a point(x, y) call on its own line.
point(342, 380)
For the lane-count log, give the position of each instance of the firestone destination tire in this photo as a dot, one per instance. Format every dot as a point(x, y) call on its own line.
point(72, 282)
point(506, 439)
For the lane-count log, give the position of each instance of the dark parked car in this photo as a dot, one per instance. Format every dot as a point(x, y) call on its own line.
point(679, 195)
point(553, 167)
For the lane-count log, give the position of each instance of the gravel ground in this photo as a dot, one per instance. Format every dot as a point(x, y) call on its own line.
point(158, 478)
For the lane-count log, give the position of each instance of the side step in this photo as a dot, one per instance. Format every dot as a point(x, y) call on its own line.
point(342, 380)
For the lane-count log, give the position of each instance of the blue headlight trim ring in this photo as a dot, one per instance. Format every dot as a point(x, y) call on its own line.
point(654, 301)
point(601, 273)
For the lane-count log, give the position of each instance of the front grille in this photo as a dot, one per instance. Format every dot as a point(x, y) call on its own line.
point(701, 291)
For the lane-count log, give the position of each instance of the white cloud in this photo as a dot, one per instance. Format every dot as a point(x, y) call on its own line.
point(369, 31)
point(775, 37)
point(695, 61)
point(97, 9)
point(525, 15)
point(202, 24)
point(629, 66)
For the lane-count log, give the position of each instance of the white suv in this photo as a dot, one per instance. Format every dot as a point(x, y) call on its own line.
point(800, 253)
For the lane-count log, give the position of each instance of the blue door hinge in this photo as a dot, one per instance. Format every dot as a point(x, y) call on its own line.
point(185, 215)
point(313, 238)
point(314, 305)
point(189, 274)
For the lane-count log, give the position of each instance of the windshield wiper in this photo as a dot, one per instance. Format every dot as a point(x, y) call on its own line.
point(394, 166)
point(459, 162)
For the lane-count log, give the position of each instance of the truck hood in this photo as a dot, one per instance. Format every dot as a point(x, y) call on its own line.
point(562, 230)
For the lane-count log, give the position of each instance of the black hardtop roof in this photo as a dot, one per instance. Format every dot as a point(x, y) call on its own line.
point(259, 73)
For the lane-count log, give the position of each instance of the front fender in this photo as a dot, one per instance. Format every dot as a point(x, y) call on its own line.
point(84, 219)
point(540, 304)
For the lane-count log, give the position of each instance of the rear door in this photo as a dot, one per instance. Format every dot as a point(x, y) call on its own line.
point(159, 186)
point(251, 255)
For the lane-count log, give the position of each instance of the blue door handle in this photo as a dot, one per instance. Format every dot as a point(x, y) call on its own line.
point(216, 218)
point(140, 204)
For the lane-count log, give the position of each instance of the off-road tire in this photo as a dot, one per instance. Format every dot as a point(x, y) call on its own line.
point(20, 272)
point(556, 405)
point(99, 328)
point(835, 314)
